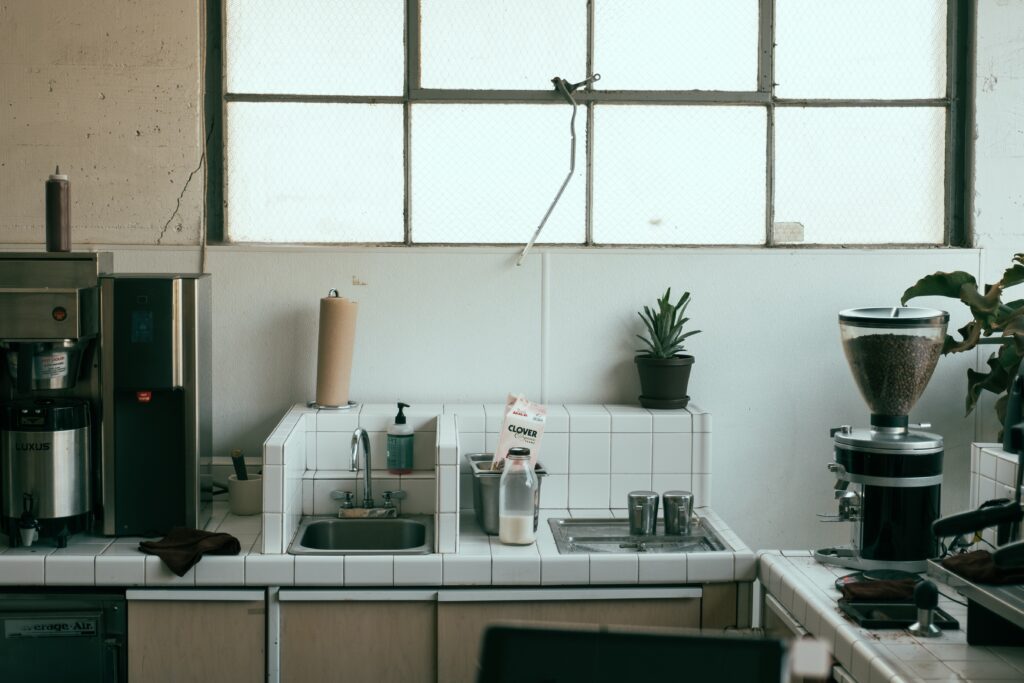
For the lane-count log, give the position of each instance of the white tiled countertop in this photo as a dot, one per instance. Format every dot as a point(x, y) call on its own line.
point(807, 590)
point(481, 561)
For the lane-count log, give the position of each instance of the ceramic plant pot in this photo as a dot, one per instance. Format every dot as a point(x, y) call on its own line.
point(663, 381)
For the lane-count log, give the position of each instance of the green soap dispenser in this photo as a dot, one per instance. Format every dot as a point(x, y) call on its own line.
point(400, 444)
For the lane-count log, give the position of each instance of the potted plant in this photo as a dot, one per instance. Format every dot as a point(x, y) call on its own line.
point(993, 322)
point(664, 366)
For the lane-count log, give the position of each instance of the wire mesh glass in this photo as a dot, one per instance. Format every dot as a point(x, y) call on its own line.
point(303, 172)
point(861, 175)
point(486, 173)
point(868, 49)
point(672, 45)
point(493, 45)
point(315, 47)
point(679, 174)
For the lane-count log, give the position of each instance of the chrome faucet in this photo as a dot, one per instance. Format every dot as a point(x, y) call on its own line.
point(359, 436)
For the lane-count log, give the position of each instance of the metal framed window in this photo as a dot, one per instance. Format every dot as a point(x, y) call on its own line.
point(749, 122)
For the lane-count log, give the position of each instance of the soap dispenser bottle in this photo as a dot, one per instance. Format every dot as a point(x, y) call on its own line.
point(400, 444)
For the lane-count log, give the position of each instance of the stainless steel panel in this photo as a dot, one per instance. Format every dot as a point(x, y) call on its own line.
point(108, 479)
point(52, 466)
point(48, 269)
point(195, 349)
point(27, 314)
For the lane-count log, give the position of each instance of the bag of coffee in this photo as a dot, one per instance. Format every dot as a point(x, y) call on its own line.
point(522, 426)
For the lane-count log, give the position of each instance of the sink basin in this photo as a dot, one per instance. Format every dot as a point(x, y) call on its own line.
point(332, 536)
point(612, 536)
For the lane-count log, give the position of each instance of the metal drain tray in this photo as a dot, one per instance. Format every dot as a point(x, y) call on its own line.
point(612, 536)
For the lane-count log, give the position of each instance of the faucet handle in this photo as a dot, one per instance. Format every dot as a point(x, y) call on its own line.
point(345, 497)
point(390, 496)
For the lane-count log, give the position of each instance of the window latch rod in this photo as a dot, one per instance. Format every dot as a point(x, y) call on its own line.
point(566, 89)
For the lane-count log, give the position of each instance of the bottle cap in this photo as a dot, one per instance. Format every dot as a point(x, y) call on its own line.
point(57, 175)
point(400, 418)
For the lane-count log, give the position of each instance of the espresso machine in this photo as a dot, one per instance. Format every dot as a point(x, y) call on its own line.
point(888, 476)
point(105, 411)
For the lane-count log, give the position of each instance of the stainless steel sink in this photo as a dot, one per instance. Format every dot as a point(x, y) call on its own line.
point(612, 536)
point(412, 535)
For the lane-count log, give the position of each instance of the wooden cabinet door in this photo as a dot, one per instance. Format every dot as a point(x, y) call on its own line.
point(461, 622)
point(174, 639)
point(358, 641)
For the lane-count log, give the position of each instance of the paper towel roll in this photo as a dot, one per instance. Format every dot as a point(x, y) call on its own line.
point(334, 349)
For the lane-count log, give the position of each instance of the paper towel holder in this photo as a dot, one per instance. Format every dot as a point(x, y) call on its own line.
point(314, 404)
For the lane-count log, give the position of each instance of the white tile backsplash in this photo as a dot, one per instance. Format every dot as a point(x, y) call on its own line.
point(333, 450)
point(594, 454)
point(588, 418)
point(702, 453)
point(631, 452)
point(622, 484)
point(630, 418)
point(672, 453)
point(557, 420)
point(337, 420)
point(471, 416)
point(424, 451)
point(472, 442)
point(554, 452)
point(672, 482)
point(554, 492)
point(590, 452)
point(447, 488)
point(589, 490)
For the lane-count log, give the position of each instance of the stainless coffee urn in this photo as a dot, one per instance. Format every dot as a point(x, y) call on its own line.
point(889, 476)
point(49, 393)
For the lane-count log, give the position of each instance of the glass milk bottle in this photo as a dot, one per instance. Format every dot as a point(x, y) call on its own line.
point(516, 495)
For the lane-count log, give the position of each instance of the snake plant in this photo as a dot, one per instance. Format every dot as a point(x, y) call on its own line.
point(664, 325)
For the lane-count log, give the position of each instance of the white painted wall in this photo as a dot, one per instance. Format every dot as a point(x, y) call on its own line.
point(464, 325)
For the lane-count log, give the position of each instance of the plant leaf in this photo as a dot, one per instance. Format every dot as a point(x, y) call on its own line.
point(939, 284)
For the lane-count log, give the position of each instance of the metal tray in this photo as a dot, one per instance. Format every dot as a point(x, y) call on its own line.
point(612, 536)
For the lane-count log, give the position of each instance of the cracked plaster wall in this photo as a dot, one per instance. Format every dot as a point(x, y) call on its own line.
point(109, 90)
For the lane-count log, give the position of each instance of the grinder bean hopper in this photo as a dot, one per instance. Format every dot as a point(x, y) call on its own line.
point(888, 477)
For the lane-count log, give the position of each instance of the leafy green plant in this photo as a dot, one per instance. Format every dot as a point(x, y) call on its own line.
point(664, 325)
point(990, 316)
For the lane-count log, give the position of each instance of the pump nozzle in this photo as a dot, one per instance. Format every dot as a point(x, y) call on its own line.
point(400, 418)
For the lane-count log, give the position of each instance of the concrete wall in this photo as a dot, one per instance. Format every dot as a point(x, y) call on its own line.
point(110, 91)
point(464, 325)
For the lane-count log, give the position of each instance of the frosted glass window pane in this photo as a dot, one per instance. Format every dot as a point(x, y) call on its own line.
point(300, 172)
point(679, 175)
point(486, 173)
point(315, 47)
point(491, 45)
point(673, 45)
point(868, 49)
point(861, 176)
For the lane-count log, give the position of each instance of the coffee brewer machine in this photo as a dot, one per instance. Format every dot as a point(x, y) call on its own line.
point(888, 477)
point(105, 412)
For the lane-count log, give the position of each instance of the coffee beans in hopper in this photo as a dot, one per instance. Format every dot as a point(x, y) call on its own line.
point(892, 370)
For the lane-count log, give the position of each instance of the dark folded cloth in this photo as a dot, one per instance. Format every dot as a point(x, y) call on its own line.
point(182, 548)
point(977, 566)
point(888, 590)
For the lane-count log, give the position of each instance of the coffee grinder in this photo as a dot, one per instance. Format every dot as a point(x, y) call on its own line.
point(888, 477)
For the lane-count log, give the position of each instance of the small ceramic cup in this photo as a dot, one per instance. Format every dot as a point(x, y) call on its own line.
point(245, 497)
